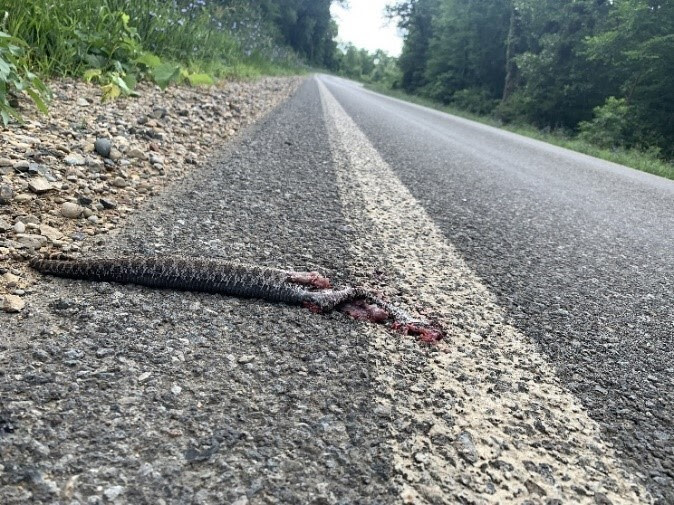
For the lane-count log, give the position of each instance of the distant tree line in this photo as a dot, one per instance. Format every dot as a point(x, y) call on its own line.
point(304, 25)
point(602, 68)
point(377, 67)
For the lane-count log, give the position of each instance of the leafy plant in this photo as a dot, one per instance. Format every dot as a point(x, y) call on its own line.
point(110, 52)
point(15, 77)
point(116, 43)
point(611, 125)
point(474, 100)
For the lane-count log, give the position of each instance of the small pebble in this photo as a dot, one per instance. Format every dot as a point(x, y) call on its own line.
point(136, 154)
point(40, 185)
point(103, 147)
point(21, 166)
point(51, 233)
point(113, 492)
point(6, 194)
point(118, 182)
point(41, 355)
point(75, 159)
point(71, 210)
point(10, 280)
point(13, 303)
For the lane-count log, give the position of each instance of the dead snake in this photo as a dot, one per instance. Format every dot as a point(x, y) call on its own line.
point(213, 275)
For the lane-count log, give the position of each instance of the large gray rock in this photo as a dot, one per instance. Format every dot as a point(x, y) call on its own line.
point(103, 147)
point(75, 160)
point(31, 241)
point(71, 210)
point(13, 303)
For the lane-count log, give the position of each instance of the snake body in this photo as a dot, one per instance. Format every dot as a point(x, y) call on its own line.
point(213, 275)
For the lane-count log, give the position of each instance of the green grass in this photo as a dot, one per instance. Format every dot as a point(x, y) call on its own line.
point(116, 43)
point(639, 160)
point(64, 35)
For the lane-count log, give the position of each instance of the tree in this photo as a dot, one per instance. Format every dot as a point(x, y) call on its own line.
point(638, 48)
point(559, 86)
point(306, 26)
point(467, 49)
point(416, 17)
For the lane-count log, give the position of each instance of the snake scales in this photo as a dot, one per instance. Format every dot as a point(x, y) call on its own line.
point(212, 275)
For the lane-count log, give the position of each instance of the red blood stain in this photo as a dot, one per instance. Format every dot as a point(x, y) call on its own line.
point(426, 334)
point(312, 307)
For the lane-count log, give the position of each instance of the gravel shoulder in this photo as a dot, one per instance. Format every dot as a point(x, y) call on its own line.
point(77, 174)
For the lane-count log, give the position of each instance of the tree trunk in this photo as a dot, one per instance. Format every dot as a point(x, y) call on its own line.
point(513, 46)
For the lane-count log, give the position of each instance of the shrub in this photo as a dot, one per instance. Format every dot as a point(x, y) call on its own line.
point(474, 100)
point(611, 125)
point(15, 77)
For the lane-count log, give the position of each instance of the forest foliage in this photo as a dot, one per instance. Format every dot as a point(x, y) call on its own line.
point(599, 69)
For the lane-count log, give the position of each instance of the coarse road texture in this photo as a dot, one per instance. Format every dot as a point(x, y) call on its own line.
point(550, 270)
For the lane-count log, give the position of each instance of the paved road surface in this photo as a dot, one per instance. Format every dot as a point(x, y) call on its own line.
point(551, 272)
point(580, 253)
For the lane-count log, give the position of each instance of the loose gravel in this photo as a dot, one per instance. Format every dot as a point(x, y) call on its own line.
point(80, 171)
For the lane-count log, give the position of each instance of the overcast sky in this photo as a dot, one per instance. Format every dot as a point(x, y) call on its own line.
point(364, 24)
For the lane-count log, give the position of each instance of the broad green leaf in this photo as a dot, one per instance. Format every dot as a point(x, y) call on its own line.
point(95, 61)
point(130, 81)
point(149, 60)
point(92, 73)
point(110, 92)
point(165, 73)
point(5, 69)
point(200, 79)
point(42, 107)
point(119, 81)
point(15, 50)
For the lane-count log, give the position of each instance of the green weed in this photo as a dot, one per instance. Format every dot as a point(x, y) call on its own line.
point(16, 78)
point(116, 43)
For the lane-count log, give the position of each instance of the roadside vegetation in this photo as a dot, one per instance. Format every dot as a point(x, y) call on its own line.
point(596, 76)
point(117, 43)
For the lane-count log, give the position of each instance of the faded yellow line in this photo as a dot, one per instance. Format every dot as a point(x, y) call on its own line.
point(482, 418)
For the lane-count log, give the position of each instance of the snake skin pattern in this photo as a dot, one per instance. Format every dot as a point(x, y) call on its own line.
point(212, 275)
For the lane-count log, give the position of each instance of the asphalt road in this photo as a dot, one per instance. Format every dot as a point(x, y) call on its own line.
point(580, 253)
point(551, 272)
